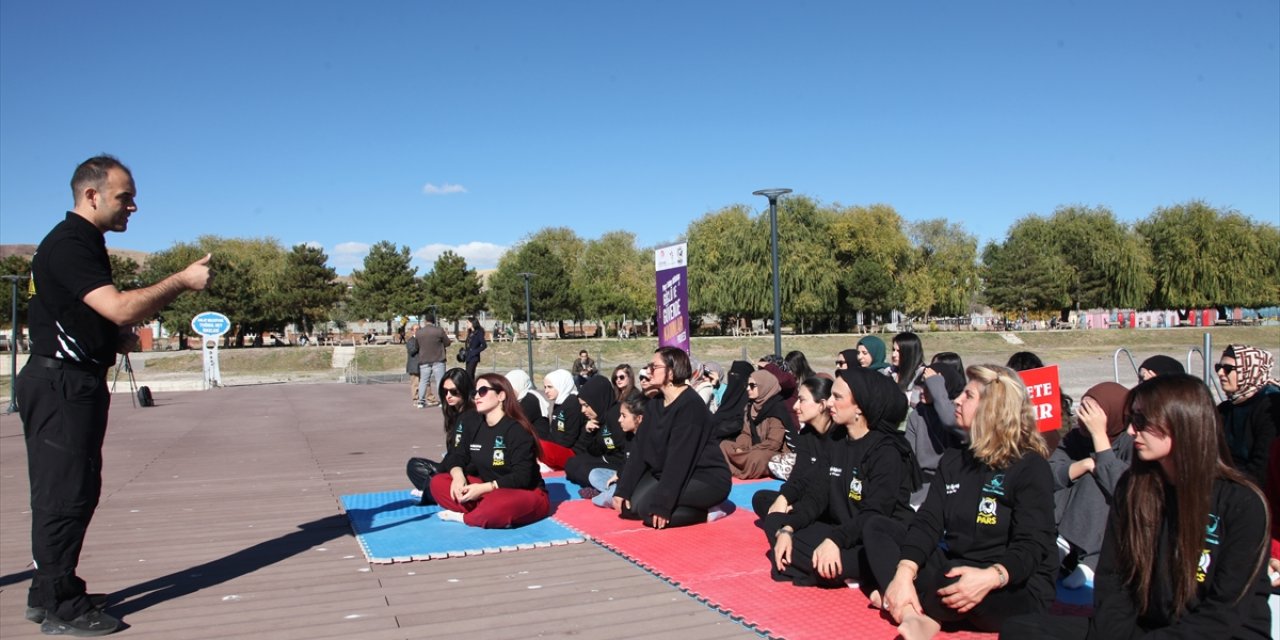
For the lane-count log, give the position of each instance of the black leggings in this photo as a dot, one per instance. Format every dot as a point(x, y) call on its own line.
point(762, 500)
point(698, 496)
point(882, 535)
point(801, 571)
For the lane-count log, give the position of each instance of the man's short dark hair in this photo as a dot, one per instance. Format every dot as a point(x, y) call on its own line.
point(93, 172)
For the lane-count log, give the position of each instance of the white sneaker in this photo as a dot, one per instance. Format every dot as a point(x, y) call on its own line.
point(450, 516)
point(543, 468)
point(417, 493)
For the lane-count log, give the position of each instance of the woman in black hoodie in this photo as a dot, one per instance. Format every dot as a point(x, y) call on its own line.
point(865, 474)
point(604, 442)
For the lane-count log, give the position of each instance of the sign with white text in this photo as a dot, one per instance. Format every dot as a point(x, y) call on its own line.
point(211, 324)
point(672, 267)
point(1046, 396)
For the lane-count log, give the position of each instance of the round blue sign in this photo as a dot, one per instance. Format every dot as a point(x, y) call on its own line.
point(211, 324)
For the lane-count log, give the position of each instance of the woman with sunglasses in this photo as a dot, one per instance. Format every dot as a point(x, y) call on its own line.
point(676, 473)
point(981, 548)
point(460, 416)
point(624, 381)
point(764, 428)
point(1186, 541)
point(860, 474)
point(492, 478)
point(1249, 413)
point(564, 435)
point(811, 441)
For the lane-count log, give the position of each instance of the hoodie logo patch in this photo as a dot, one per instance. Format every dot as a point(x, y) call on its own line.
point(987, 510)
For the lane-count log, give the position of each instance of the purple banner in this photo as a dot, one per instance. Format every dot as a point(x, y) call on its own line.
point(672, 266)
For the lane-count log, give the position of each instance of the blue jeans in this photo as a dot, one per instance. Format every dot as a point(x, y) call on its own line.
point(599, 478)
point(429, 377)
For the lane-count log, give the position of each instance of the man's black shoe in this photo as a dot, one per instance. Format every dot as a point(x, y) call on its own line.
point(37, 614)
point(93, 623)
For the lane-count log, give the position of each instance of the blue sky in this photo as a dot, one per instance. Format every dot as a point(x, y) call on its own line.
point(468, 125)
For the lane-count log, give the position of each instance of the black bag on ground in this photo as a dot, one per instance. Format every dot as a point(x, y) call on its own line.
point(144, 397)
point(462, 354)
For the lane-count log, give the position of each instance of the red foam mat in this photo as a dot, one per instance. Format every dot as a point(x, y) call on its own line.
point(723, 564)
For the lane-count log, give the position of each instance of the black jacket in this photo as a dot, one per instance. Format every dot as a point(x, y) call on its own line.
point(1249, 427)
point(504, 452)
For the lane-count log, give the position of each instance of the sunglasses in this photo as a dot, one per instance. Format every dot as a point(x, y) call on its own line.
point(752, 385)
point(1224, 369)
point(841, 363)
point(452, 392)
point(1139, 422)
point(621, 377)
point(481, 392)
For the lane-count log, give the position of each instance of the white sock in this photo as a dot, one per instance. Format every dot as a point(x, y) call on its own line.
point(1082, 576)
point(543, 468)
point(417, 493)
point(450, 516)
point(717, 512)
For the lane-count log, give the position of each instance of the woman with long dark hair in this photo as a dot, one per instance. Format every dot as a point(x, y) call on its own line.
point(624, 381)
point(811, 441)
point(459, 412)
point(1187, 539)
point(676, 473)
point(907, 363)
point(475, 344)
point(492, 478)
point(981, 548)
point(799, 366)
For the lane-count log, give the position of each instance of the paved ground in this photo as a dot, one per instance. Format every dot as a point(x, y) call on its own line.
point(220, 519)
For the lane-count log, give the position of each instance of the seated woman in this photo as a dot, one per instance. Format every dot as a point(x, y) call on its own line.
point(535, 406)
point(604, 480)
point(811, 444)
point(624, 381)
point(676, 473)
point(492, 478)
point(459, 417)
point(981, 548)
point(906, 364)
point(605, 442)
point(863, 475)
point(764, 428)
point(727, 418)
point(1086, 467)
point(870, 352)
point(931, 425)
point(1250, 411)
point(564, 434)
point(1186, 541)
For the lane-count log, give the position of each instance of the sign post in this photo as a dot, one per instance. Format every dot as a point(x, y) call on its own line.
point(211, 325)
point(672, 266)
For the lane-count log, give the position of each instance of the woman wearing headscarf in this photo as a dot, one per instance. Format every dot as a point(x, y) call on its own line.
point(931, 426)
point(1159, 366)
point(847, 359)
point(727, 419)
point(1249, 412)
point(1087, 466)
point(819, 542)
point(871, 354)
point(764, 429)
point(535, 406)
point(564, 435)
point(604, 442)
point(714, 374)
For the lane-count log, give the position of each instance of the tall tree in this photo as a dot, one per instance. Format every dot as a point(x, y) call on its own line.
point(1202, 257)
point(944, 276)
point(309, 287)
point(873, 254)
point(386, 287)
point(1025, 273)
point(729, 271)
point(125, 272)
point(1110, 265)
point(454, 287)
point(550, 298)
point(809, 287)
point(615, 279)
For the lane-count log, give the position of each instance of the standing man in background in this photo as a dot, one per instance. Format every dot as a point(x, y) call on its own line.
point(433, 343)
point(79, 321)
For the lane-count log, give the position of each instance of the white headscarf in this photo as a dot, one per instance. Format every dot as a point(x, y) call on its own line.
point(562, 380)
point(523, 386)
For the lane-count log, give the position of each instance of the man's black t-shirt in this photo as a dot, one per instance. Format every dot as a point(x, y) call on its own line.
point(70, 262)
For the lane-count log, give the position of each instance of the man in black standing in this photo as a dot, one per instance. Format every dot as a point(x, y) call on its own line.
point(78, 322)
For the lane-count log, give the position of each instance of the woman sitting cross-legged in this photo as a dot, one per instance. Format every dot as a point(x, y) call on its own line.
point(863, 474)
point(460, 417)
point(564, 436)
point(676, 473)
point(492, 478)
point(604, 480)
point(981, 549)
point(764, 428)
point(809, 457)
point(1186, 542)
point(605, 441)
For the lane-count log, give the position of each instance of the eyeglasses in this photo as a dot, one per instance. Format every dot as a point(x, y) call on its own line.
point(449, 391)
point(752, 385)
point(1224, 369)
point(481, 392)
point(655, 367)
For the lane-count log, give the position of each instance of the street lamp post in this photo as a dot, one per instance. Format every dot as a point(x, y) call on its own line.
point(528, 319)
point(772, 195)
point(13, 342)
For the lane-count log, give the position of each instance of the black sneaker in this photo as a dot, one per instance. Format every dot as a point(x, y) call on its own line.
point(37, 614)
point(91, 623)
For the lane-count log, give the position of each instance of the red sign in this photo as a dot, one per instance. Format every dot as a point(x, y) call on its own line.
point(1046, 396)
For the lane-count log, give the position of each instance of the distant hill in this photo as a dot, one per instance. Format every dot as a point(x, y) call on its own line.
point(28, 250)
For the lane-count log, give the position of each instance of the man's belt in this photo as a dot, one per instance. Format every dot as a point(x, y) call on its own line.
point(54, 363)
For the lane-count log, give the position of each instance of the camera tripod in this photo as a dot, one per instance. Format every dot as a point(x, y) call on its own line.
point(127, 367)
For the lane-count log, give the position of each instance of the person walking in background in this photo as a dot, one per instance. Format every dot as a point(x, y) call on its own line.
point(433, 343)
point(411, 364)
point(475, 344)
point(77, 320)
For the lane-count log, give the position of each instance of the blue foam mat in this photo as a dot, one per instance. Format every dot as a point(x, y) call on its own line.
point(391, 527)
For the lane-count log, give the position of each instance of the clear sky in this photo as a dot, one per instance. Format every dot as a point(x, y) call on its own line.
point(468, 125)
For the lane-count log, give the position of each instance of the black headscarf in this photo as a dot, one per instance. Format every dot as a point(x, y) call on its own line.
point(952, 377)
point(1162, 366)
point(728, 416)
point(885, 407)
point(850, 358)
point(599, 394)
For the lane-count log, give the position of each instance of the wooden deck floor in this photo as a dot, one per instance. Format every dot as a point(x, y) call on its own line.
point(220, 519)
